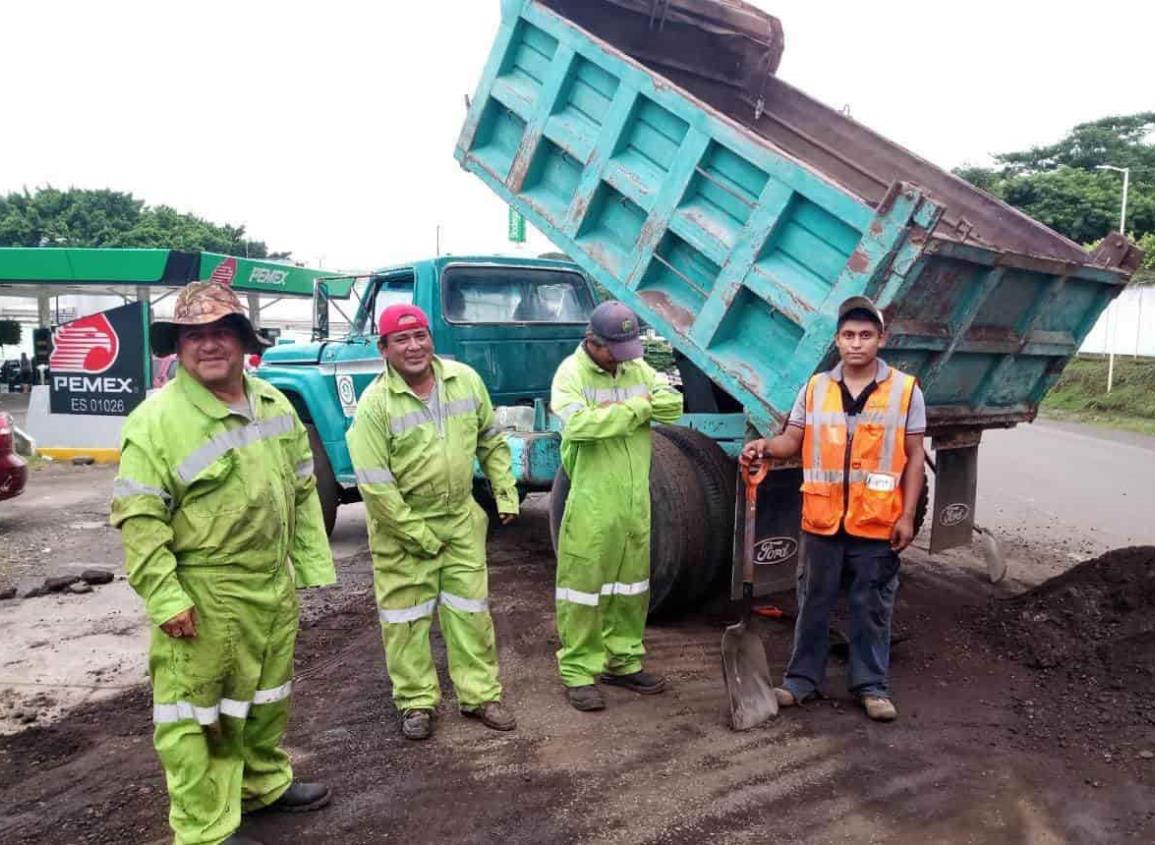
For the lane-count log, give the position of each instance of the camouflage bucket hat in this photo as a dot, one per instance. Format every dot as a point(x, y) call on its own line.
point(201, 303)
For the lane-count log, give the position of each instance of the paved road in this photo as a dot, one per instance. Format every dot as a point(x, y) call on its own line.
point(1068, 487)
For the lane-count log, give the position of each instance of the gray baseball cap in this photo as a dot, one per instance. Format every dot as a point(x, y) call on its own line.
point(617, 325)
point(864, 303)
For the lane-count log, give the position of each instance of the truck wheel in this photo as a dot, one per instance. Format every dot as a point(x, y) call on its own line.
point(326, 482)
point(678, 527)
point(716, 472)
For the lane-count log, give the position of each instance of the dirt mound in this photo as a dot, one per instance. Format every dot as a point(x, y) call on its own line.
point(1097, 619)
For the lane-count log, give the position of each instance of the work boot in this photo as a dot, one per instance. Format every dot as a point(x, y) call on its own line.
point(642, 682)
point(493, 714)
point(301, 797)
point(785, 697)
point(417, 724)
point(879, 709)
point(585, 698)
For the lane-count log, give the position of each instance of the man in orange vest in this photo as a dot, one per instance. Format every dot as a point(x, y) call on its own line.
point(859, 429)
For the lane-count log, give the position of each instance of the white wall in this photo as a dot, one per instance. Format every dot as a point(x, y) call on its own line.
point(1127, 326)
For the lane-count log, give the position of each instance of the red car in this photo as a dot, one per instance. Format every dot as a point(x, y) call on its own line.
point(13, 470)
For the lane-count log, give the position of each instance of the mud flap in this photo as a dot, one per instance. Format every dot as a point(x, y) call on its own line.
point(779, 521)
point(955, 483)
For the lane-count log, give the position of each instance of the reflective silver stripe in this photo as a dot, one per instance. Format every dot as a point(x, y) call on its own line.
point(268, 696)
point(569, 410)
point(597, 395)
point(577, 596)
point(164, 714)
point(492, 431)
point(462, 603)
point(234, 708)
point(823, 476)
point(833, 476)
point(374, 475)
point(127, 487)
point(237, 438)
point(407, 421)
point(619, 589)
point(461, 406)
point(407, 614)
point(305, 468)
point(818, 402)
point(893, 423)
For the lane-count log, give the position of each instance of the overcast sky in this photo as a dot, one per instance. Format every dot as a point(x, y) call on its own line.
point(327, 128)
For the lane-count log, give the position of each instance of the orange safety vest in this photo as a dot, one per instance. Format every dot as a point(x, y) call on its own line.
point(869, 502)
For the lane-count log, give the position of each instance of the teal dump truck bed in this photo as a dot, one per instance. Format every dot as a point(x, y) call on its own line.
point(653, 143)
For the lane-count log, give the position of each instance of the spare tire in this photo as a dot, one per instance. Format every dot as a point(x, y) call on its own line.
point(716, 472)
point(678, 530)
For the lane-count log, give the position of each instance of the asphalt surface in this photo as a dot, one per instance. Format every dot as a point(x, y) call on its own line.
point(1068, 489)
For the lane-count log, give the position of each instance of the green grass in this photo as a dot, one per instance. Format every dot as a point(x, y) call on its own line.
point(1081, 394)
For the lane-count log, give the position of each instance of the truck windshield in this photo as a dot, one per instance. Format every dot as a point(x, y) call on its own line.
point(394, 291)
point(515, 295)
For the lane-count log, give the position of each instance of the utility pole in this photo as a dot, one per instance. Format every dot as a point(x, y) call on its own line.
point(1111, 324)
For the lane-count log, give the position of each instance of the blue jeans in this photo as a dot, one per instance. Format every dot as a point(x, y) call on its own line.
point(869, 571)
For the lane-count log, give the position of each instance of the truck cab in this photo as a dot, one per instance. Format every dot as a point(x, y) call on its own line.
point(512, 319)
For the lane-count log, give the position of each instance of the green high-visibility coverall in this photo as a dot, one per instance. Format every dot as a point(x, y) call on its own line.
point(414, 466)
point(603, 556)
point(212, 507)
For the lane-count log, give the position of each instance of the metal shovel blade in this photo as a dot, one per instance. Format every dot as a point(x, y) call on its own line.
point(747, 675)
point(992, 553)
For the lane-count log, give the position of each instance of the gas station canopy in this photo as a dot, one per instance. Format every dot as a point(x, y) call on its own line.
point(51, 271)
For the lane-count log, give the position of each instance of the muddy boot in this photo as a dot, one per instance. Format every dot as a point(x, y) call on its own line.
point(879, 709)
point(493, 714)
point(642, 682)
point(585, 698)
point(785, 697)
point(417, 724)
point(301, 797)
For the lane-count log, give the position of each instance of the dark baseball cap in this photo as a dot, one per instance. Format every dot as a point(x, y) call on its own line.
point(861, 303)
point(617, 326)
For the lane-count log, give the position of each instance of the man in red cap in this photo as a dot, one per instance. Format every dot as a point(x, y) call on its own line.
point(413, 442)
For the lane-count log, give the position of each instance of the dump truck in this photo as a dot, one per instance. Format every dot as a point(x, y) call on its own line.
point(655, 145)
point(511, 319)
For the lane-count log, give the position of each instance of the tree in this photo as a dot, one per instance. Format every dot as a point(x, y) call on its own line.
point(105, 218)
point(1059, 184)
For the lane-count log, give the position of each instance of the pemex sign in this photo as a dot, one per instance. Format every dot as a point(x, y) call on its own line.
point(97, 363)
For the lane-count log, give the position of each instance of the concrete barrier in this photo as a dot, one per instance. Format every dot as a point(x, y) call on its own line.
point(66, 436)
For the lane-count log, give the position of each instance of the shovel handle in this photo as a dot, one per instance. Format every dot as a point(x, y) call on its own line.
point(751, 480)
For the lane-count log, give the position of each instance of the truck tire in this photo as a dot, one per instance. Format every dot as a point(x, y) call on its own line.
point(678, 530)
point(716, 472)
point(327, 488)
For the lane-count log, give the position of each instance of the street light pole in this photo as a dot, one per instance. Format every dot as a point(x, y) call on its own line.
point(1126, 171)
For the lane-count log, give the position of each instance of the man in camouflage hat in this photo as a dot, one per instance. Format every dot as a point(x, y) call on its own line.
point(217, 506)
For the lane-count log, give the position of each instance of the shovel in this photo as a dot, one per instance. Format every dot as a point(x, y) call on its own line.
point(744, 666)
point(989, 546)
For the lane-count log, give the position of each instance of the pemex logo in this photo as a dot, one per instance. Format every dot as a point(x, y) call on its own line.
point(225, 272)
point(87, 345)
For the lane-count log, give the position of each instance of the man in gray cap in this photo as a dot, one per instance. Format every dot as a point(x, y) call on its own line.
point(606, 396)
point(859, 430)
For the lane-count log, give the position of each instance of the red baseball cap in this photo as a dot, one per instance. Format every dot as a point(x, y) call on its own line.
point(401, 318)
